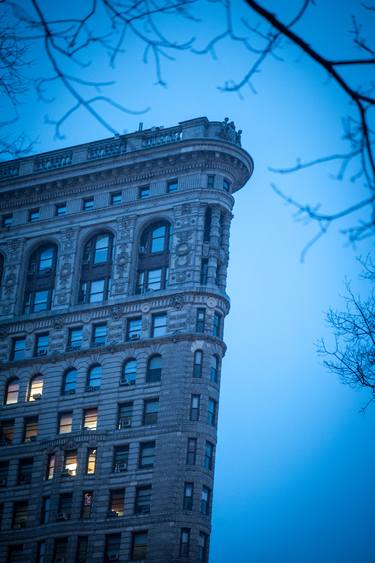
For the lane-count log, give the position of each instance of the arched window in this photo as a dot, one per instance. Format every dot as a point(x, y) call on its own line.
point(35, 391)
point(94, 377)
point(198, 363)
point(40, 279)
point(214, 369)
point(96, 269)
point(153, 259)
point(154, 367)
point(69, 382)
point(129, 372)
point(12, 391)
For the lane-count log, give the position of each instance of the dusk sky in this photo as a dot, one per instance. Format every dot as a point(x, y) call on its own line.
point(294, 478)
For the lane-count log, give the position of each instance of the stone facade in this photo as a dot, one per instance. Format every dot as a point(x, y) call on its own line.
point(145, 492)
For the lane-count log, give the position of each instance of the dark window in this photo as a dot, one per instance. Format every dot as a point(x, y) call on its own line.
point(146, 455)
point(154, 367)
point(144, 191)
point(46, 510)
point(116, 502)
point(184, 542)
point(7, 220)
point(125, 415)
point(201, 319)
point(64, 511)
point(18, 348)
point(120, 458)
point(216, 331)
point(4, 466)
point(35, 390)
point(205, 501)
point(112, 547)
point(194, 407)
point(65, 422)
point(75, 338)
point(86, 508)
point(139, 545)
point(202, 547)
point(91, 461)
point(69, 382)
point(208, 456)
point(25, 470)
point(153, 258)
point(88, 203)
point(99, 334)
point(82, 549)
point(94, 377)
point(40, 279)
point(226, 185)
point(207, 225)
point(204, 271)
point(41, 344)
point(41, 552)
point(33, 215)
point(198, 363)
point(30, 429)
point(159, 325)
point(96, 269)
point(90, 419)
point(129, 372)
point(214, 369)
point(188, 496)
point(15, 554)
point(210, 181)
point(134, 329)
point(6, 432)
point(150, 411)
point(142, 504)
point(51, 464)
point(60, 550)
point(20, 509)
point(116, 198)
point(212, 412)
point(70, 463)
point(191, 452)
point(12, 389)
point(172, 186)
point(60, 209)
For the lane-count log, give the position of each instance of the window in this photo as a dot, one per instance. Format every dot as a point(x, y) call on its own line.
point(216, 331)
point(88, 203)
point(60, 209)
point(212, 412)
point(112, 547)
point(146, 455)
point(194, 407)
point(35, 390)
point(60, 551)
point(65, 422)
point(15, 553)
point(20, 509)
point(12, 391)
point(142, 504)
point(91, 461)
point(204, 271)
point(64, 511)
point(154, 367)
point(172, 186)
point(86, 508)
point(69, 382)
point(191, 451)
point(18, 348)
point(41, 552)
point(144, 191)
point(150, 411)
point(40, 279)
point(6, 432)
point(198, 363)
point(201, 319)
point(210, 181)
point(153, 258)
point(184, 542)
point(202, 547)
point(134, 329)
point(41, 344)
point(207, 225)
point(51, 464)
point(139, 545)
point(82, 549)
point(125, 414)
point(75, 338)
point(70, 463)
point(46, 510)
point(116, 502)
point(214, 369)
point(188, 496)
point(30, 429)
point(33, 215)
point(7, 220)
point(25, 469)
point(4, 466)
point(208, 456)
point(120, 458)
point(116, 198)
point(129, 372)
point(99, 334)
point(159, 325)
point(205, 500)
point(96, 269)
point(90, 419)
point(226, 185)
point(94, 377)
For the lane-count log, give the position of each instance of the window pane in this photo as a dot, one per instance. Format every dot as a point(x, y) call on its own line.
point(96, 291)
point(46, 259)
point(94, 379)
point(11, 396)
point(35, 388)
point(41, 301)
point(159, 325)
point(129, 372)
point(91, 461)
point(65, 422)
point(101, 249)
point(70, 379)
point(158, 239)
point(154, 279)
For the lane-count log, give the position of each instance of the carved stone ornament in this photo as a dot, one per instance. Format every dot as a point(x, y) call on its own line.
point(182, 249)
point(9, 284)
point(145, 307)
point(4, 331)
point(117, 313)
point(211, 302)
point(177, 302)
point(58, 323)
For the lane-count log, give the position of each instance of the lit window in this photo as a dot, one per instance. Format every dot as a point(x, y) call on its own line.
point(208, 456)
point(159, 325)
point(142, 504)
point(18, 348)
point(91, 461)
point(154, 367)
point(125, 415)
point(146, 455)
point(201, 318)
point(99, 334)
point(134, 329)
point(51, 464)
point(65, 422)
point(70, 463)
point(60, 209)
point(34, 215)
point(198, 363)
point(129, 372)
point(86, 509)
point(41, 344)
point(191, 451)
point(116, 502)
point(35, 391)
point(88, 203)
point(94, 378)
point(172, 186)
point(30, 429)
point(69, 382)
point(188, 496)
point(144, 191)
point(139, 545)
point(194, 407)
point(90, 419)
point(150, 411)
point(12, 391)
point(184, 542)
point(75, 338)
point(116, 198)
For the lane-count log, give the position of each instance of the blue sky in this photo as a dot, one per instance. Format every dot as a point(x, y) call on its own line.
point(294, 473)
